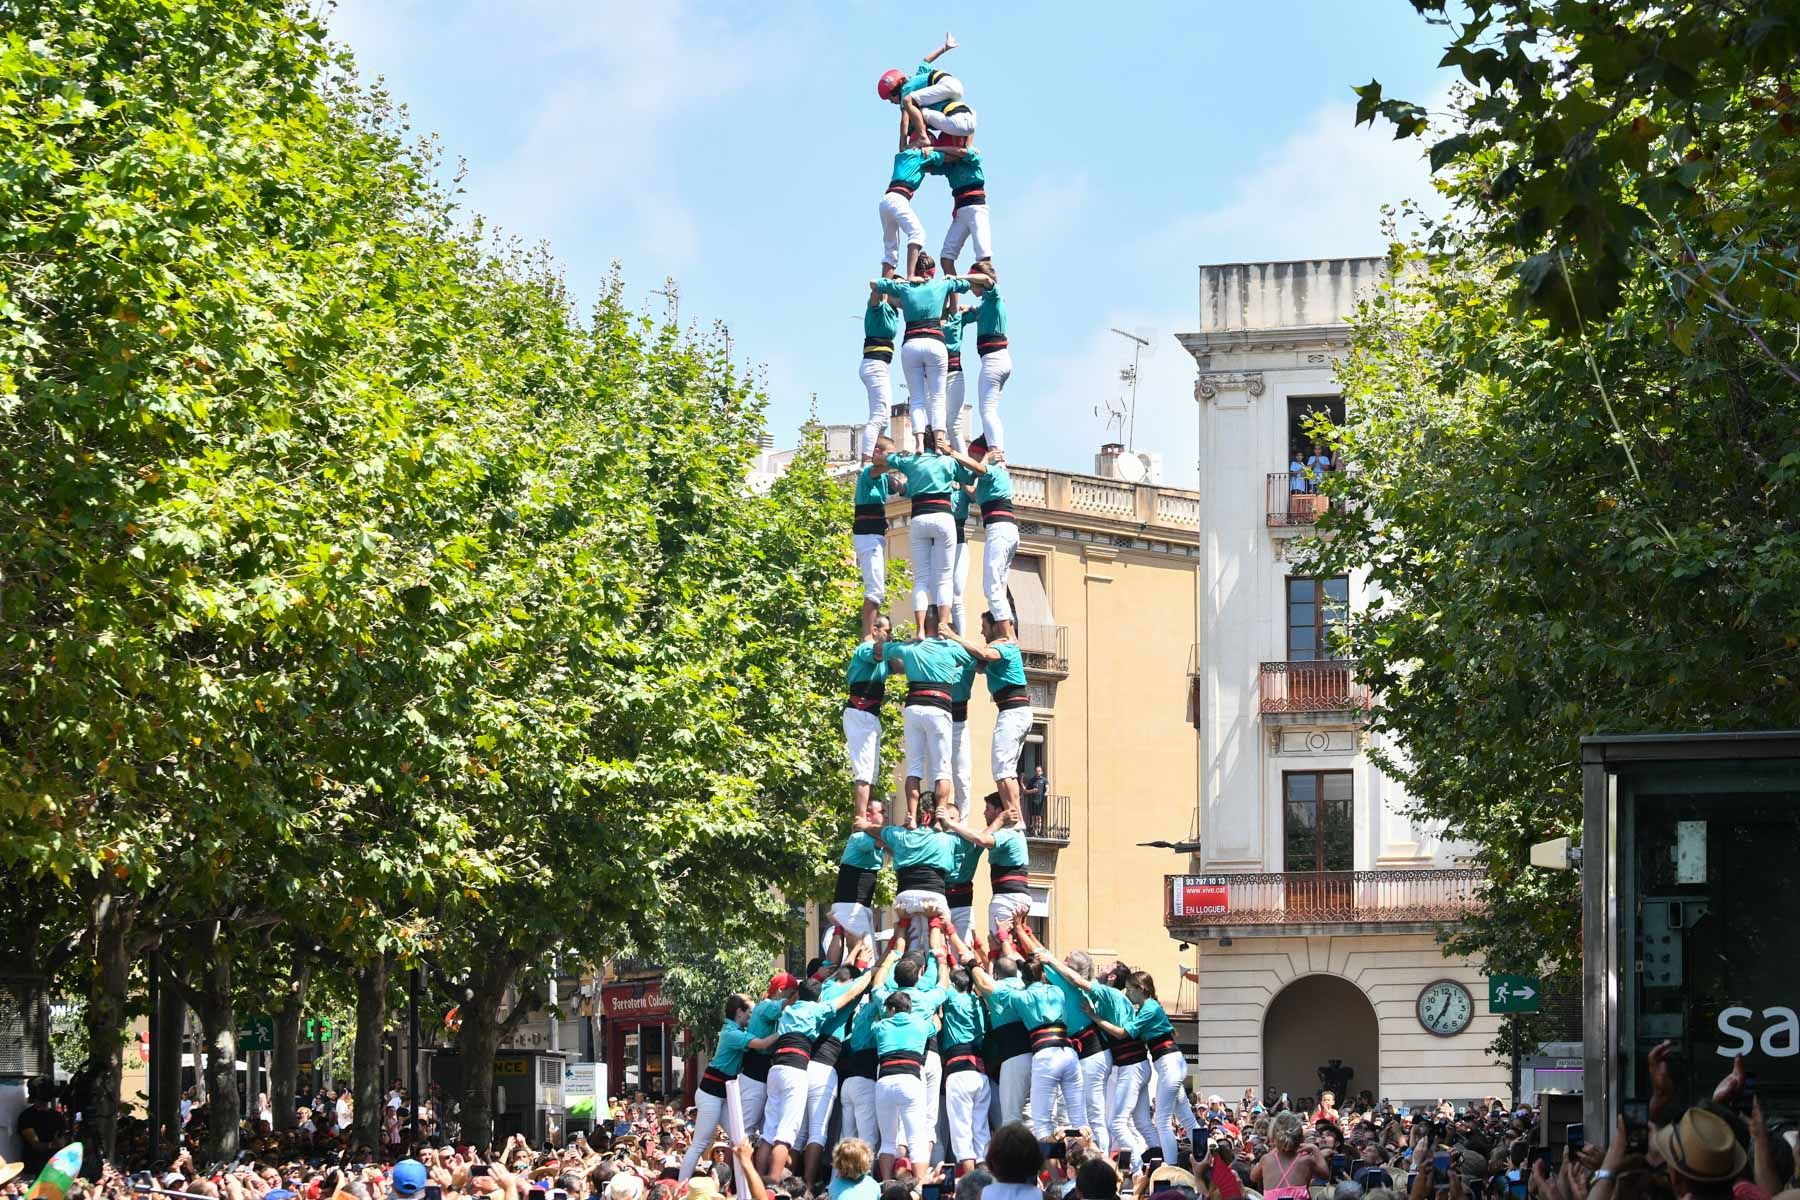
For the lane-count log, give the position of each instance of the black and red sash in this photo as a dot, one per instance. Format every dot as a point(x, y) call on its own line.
point(793, 1050)
point(919, 877)
point(855, 885)
point(929, 695)
point(931, 503)
point(1048, 1037)
point(1089, 1042)
point(998, 512)
point(756, 1065)
point(960, 895)
point(1009, 1040)
point(1163, 1045)
point(870, 518)
point(988, 343)
point(713, 1082)
point(901, 1062)
point(953, 362)
point(858, 1064)
point(1008, 879)
point(1128, 1052)
point(974, 193)
point(932, 328)
point(901, 187)
point(867, 696)
point(1012, 696)
point(964, 1056)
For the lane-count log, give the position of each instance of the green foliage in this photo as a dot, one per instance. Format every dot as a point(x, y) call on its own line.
point(69, 1035)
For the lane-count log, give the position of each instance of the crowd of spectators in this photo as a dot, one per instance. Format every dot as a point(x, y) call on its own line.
point(1252, 1148)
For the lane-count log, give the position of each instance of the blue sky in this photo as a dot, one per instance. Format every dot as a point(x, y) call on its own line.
point(741, 149)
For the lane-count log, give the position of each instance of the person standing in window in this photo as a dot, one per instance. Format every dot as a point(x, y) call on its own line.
point(1036, 793)
point(1318, 463)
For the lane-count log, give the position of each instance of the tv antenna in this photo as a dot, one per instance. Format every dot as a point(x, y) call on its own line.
point(1129, 376)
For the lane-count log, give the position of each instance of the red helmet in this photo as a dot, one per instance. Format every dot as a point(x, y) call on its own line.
point(890, 82)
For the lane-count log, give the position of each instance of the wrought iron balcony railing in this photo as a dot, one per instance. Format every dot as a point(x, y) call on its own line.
point(1044, 648)
point(1284, 506)
point(1049, 822)
point(1315, 685)
point(1196, 903)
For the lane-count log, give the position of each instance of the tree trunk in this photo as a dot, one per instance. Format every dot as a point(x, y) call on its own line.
point(371, 1023)
point(112, 916)
point(479, 1039)
point(165, 1060)
point(218, 1019)
point(284, 1061)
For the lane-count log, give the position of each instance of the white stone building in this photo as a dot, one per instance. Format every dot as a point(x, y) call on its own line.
point(1314, 904)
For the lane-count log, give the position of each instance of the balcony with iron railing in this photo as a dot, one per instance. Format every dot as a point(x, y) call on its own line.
point(1288, 902)
point(1298, 687)
point(1285, 507)
point(1045, 648)
point(1048, 822)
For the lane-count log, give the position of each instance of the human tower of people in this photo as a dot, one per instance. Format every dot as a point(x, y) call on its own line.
point(927, 1035)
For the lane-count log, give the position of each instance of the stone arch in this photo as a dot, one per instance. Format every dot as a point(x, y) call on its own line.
point(1311, 1021)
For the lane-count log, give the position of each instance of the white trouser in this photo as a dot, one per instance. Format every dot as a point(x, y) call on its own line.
point(962, 124)
point(858, 920)
point(1011, 725)
point(927, 743)
point(1054, 1071)
point(934, 1094)
point(953, 406)
point(709, 1118)
point(1006, 908)
point(900, 1113)
point(878, 380)
point(1169, 1072)
point(1096, 1081)
point(961, 919)
point(966, 1098)
point(821, 1094)
point(969, 224)
point(862, 738)
point(996, 369)
point(996, 561)
point(751, 1095)
point(871, 560)
point(1131, 1109)
point(933, 537)
point(899, 226)
point(961, 774)
point(948, 87)
point(1015, 1087)
point(959, 584)
point(784, 1113)
point(925, 362)
point(858, 1105)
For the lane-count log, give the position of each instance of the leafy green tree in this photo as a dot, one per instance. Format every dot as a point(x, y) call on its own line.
point(1574, 496)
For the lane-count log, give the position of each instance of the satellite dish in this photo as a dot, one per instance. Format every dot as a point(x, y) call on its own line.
point(1130, 467)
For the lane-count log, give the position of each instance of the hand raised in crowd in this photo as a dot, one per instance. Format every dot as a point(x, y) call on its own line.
point(1662, 1082)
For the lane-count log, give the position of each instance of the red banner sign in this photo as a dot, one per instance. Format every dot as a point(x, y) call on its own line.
point(635, 1001)
point(1200, 896)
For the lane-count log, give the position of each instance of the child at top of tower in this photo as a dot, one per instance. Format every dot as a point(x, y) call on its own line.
point(928, 98)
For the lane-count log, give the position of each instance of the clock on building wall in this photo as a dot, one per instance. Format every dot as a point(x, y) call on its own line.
point(1445, 1008)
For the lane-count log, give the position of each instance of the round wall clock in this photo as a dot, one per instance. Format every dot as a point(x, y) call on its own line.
point(1445, 1008)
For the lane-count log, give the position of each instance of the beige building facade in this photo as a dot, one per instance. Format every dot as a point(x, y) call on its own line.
point(1313, 907)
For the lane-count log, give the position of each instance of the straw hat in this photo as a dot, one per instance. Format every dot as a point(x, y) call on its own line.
point(1700, 1146)
point(9, 1171)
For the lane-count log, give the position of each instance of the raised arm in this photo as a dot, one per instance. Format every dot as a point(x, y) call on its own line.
point(944, 447)
point(980, 837)
point(949, 44)
point(981, 650)
point(853, 993)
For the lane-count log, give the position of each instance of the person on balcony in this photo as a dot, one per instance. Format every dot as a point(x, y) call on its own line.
point(1318, 465)
point(1036, 793)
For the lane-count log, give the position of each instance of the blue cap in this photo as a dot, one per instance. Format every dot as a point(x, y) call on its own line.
point(279, 1194)
point(409, 1177)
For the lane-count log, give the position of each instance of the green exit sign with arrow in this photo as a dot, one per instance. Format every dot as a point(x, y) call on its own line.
point(1514, 993)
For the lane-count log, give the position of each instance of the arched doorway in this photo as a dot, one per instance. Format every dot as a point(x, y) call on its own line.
point(1311, 1021)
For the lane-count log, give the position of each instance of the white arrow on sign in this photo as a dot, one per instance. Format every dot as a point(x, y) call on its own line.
point(1525, 993)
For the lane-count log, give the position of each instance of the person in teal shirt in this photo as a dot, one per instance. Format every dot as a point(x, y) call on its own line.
point(856, 1069)
point(899, 223)
point(923, 857)
point(1000, 528)
point(1009, 1042)
point(868, 535)
point(959, 890)
point(923, 302)
point(802, 1022)
point(1004, 667)
point(953, 377)
point(929, 98)
point(866, 680)
point(964, 172)
point(931, 482)
point(960, 773)
point(932, 665)
point(1009, 868)
point(720, 1076)
point(959, 567)
point(852, 910)
point(1168, 1065)
point(996, 355)
point(881, 330)
point(967, 1093)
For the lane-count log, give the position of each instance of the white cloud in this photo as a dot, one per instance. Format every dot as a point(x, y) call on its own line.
point(1317, 194)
